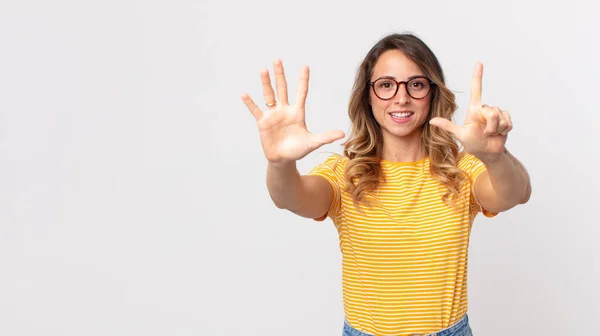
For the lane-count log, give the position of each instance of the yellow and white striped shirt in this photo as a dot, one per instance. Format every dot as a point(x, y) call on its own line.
point(404, 267)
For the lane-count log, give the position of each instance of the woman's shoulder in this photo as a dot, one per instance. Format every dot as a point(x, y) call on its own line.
point(334, 164)
point(336, 160)
point(466, 160)
point(470, 164)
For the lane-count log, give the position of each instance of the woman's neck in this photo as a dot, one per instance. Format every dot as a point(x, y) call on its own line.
point(403, 149)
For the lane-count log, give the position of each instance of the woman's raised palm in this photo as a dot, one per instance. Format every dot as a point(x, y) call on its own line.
point(282, 126)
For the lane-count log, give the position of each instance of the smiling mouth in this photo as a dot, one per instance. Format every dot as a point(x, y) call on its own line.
point(401, 114)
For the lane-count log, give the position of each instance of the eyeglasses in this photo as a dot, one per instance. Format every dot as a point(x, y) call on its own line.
point(417, 87)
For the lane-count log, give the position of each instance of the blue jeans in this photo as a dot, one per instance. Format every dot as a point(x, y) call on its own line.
point(460, 328)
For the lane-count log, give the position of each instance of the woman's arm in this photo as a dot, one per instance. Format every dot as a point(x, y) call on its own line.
point(285, 140)
point(484, 133)
point(307, 196)
point(504, 185)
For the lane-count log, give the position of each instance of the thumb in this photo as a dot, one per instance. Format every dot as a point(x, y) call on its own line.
point(446, 125)
point(318, 140)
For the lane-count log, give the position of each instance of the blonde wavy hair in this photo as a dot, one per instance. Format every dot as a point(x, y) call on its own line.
point(364, 146)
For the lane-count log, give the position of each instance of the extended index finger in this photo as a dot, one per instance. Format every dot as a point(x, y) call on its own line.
point(476, 85)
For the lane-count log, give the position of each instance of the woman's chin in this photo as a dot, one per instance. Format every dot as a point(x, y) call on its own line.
point(406, 131)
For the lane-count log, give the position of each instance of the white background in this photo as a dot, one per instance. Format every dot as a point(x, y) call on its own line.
point(132, 181)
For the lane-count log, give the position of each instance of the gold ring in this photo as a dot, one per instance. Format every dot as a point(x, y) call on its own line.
point(272, 104)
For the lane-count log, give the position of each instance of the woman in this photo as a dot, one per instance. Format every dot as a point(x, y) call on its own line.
point(403, 196)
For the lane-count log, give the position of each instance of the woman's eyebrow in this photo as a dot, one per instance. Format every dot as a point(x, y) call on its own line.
point(394, 78)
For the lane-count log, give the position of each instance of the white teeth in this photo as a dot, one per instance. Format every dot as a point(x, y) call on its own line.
point(401, 114)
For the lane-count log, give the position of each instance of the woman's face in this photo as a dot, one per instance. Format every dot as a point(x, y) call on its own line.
point(401, 115)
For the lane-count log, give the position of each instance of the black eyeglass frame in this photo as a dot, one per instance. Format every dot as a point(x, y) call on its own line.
point(398, 83)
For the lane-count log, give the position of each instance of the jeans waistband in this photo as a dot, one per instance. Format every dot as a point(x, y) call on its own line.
point(460, 328)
